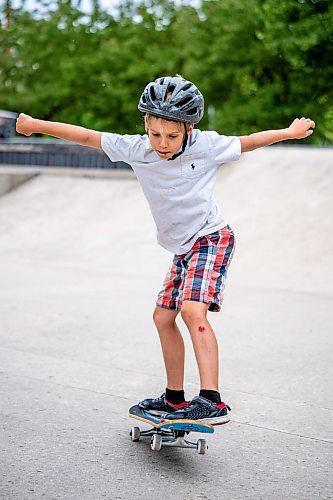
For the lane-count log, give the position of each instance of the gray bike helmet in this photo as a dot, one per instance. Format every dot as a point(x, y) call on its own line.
point(185, 103)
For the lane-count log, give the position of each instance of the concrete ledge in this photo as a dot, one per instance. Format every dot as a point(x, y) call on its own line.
point(9, 181)
point(122, 173)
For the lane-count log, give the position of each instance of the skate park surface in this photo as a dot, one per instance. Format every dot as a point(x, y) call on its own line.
point(80, 269)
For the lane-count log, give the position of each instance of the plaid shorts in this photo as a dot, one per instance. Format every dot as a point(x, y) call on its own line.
point(200, 274)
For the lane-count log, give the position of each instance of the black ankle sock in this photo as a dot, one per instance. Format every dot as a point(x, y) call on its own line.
point(174, 397)
point(213, 396)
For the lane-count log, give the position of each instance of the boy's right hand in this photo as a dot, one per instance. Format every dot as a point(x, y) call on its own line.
point(27, 125)
point(24, 124)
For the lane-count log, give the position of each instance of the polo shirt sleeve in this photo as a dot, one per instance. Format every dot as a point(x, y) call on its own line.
point(120, 147)
point(224, 148)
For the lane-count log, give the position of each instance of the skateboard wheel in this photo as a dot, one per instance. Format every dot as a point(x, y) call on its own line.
point(135, 433)
point(156, 442)
point(201, 446)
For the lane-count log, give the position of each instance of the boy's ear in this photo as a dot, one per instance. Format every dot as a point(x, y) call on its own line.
point(190, 128)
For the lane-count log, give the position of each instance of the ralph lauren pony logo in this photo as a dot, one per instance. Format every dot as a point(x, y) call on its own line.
point(192, 168)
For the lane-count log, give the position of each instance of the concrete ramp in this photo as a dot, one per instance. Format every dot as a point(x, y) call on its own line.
point(278, 200)
point(10, 180)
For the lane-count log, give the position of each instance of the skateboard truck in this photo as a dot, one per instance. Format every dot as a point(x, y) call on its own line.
point(168, 437)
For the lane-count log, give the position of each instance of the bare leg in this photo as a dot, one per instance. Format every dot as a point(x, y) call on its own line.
point(172, 346)
point(204, 343)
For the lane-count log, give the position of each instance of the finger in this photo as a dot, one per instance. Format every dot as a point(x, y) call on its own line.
point(309, 132)
point(311, 123)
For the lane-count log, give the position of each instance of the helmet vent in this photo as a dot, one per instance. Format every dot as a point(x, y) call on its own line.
point(186, 87)
point(183, 102)
point(152, 93)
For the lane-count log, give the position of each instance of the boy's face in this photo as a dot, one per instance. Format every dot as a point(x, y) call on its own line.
point(166, 137)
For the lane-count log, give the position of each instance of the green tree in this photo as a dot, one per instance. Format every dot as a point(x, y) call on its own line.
point(259, 63)
point(269, 62)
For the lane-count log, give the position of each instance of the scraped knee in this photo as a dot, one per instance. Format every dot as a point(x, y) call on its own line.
point(194, 315)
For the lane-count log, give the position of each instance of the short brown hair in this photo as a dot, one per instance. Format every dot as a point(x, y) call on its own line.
point(148, 116)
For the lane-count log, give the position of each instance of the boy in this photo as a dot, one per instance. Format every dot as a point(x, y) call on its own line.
point(176, 166)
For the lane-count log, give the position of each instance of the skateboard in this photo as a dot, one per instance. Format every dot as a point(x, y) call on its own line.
point(169, 432)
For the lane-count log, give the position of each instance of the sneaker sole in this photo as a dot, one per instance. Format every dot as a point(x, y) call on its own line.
point(211, 421)
point(215, 421)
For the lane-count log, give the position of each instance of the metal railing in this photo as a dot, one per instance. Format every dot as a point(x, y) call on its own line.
point(53, 153)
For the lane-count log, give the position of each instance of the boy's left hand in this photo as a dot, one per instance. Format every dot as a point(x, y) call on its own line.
point(301, 128)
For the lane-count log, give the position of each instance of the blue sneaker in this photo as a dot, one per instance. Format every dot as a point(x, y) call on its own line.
point(201, 409)
point(161, 405)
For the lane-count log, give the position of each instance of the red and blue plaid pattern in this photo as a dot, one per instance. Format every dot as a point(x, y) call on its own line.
point(200, 274)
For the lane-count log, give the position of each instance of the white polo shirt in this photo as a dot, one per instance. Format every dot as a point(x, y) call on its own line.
point(180, 191)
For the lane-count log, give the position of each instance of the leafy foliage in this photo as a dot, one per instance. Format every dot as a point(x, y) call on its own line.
point(259, 63)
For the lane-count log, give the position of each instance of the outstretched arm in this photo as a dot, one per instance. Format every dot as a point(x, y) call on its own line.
point(299, 129)
point(27, 125)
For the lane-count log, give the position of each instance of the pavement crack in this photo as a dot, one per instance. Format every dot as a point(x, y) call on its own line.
point(264, 396)
point(67, 386)
point(329, 441)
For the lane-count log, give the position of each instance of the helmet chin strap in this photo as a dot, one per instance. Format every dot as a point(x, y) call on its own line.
point(183, 146)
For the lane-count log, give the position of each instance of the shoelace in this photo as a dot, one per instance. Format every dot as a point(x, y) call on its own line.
point(158, 400)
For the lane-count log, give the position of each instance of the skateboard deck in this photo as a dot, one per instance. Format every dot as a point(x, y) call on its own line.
point(169, 432)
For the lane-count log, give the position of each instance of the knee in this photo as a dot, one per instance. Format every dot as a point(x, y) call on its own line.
point(157, 317)
point(163, 318)
point(193, 313)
